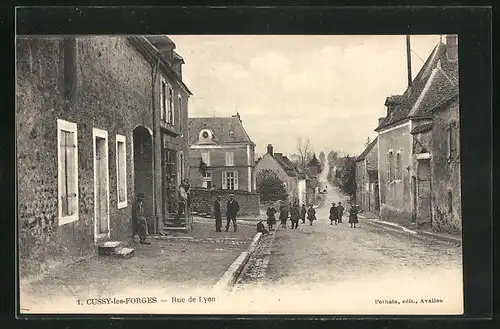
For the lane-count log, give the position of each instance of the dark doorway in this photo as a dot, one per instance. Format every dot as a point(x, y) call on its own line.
point(424, 193)
point(414, 190)
point(143, 172)
point(376, 196)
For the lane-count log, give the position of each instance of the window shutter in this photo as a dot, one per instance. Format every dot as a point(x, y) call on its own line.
point(63, 173)
point(71, 172)
point(224, 180)
point(162, 95)
point(236, 180)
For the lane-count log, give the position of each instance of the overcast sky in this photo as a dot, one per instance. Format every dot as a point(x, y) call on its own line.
point(330, 89)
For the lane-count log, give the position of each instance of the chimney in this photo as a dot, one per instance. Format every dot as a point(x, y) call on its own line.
point(452, 47)
point(270, 149)
point(408, 59)
point(237, 115)
point(380, 120)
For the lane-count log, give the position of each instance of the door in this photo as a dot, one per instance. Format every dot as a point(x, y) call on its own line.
point(101, 185)
point(414, 194)
point(423, 193)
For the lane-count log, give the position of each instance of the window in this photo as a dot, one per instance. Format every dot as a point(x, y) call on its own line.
point(207, 180)
point(170, 106)
point(121, 171)
point(390, 166)
point(170, 165)
point(452, 140)
point(229, 180)
point(181, 166)
point(205, 157)
point(67, 156)
point(179, 111)
point(450, 202)
point(398, 172)
point(229, 159)
point(163, 100)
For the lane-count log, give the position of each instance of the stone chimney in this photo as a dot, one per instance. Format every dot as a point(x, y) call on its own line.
point(391, 103)
point(270, 149)
point(452, 47)
point(380, 120)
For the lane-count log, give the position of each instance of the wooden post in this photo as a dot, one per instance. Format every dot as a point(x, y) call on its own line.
point(408, 57)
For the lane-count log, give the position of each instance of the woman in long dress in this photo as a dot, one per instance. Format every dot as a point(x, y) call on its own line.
point(311, 215)
point(283, 216)
point(353, 215)
point(271, 219)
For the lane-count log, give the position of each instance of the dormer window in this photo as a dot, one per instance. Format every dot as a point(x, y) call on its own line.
point(205, 135)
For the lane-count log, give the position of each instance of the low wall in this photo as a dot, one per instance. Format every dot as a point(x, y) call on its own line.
point(203, 200)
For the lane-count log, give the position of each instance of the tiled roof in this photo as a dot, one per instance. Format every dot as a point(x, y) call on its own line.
point(437, 78)
point(421, 128)
point(226, 130)
point(367, 150)
point(286, 164)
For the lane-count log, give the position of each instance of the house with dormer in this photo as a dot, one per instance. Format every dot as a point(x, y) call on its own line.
point(404, 160)
point(222, 155)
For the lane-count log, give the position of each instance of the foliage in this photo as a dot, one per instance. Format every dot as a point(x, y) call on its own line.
point(305, 151)
point(269, 186)
point(333, 157)
point(346, 176)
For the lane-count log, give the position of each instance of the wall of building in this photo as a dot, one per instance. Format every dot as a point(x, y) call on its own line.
point(71, 81)
point(445, 174)
point(395, 196)
point(218, 165)
point(203, 200)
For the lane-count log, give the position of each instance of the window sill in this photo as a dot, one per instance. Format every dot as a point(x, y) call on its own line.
point(122, 204)
point(68, 219)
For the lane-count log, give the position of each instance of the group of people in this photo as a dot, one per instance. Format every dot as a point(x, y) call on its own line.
point(336, 213)
point(296, 214)
point(232, 209)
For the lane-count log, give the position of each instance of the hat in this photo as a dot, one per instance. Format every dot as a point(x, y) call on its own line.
point(185, 180)
point(231, 195)
point(140, 196)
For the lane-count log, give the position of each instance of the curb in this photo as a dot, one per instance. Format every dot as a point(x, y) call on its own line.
point(228, 279)
point(422, 235)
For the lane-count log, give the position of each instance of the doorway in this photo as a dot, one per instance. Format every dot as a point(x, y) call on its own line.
point(143, 173)
point(101, 185)
point(414, 190)
point(424, 193)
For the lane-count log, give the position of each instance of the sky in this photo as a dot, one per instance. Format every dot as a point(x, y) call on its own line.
point(330, 89)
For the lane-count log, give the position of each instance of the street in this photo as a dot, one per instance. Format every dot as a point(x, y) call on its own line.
point(347, 261)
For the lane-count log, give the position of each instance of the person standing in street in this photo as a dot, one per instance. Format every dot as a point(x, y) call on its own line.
point(311, 215)
point(271, 219)
point(183, 199)
point(334, 214)
point(340, 211)
point(295, 216)
point(353, 215)
point(140, 218)
point(283, 216)
point(232, 209)
point(217, 215)
point(303, 212)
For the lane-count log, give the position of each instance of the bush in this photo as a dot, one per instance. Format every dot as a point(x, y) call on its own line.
point(270, 187)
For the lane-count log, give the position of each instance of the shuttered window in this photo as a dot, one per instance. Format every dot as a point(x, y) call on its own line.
point(67, 171)
point(121, 170)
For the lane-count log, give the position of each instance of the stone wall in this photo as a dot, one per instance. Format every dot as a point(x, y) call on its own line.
point(203, 200)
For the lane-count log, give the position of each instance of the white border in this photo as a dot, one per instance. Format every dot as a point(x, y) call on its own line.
point(102, 134)
point(122, 139)
point(70, 127)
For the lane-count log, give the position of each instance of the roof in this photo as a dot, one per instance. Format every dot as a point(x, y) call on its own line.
point(286, 164)
point(313, 162)
point(367, 150)
point(226, 130)
point(437, 78)
point(421, 128)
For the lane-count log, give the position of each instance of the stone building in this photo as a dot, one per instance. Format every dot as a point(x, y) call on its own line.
point(367, 196)
point(222, 154)
point(398, 174)
point(86, 124)
point(445, 166)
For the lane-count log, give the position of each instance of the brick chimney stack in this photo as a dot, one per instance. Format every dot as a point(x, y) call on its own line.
point(380, 120)
point(270, 149)
point(452, 47)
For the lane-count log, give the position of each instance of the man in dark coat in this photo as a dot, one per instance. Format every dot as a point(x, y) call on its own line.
point(140, 218)
point(340, 211)
point(334, 214)
point(217, 215)
point(295, 216)
point(311, 215)
point(232, 209)
point(303, 212)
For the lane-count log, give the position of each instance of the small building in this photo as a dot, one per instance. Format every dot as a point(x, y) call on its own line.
point(84, 152)
point(398, 174)
point(285, 170)
point(367, 196)
point(222, 154)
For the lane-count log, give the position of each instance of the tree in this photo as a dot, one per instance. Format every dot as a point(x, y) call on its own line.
point(347, 176)
point(304, 150)
point(269, 186)
point(322, 157)
point(332, 157)
point(368, 141)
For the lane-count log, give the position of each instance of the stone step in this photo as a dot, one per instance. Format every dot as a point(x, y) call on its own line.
point(115, 249)
point(173, 224)
point(169, 230)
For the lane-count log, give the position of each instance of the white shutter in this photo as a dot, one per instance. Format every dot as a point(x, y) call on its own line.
point(162, 95)
point(236, 180)
point(224, 180)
